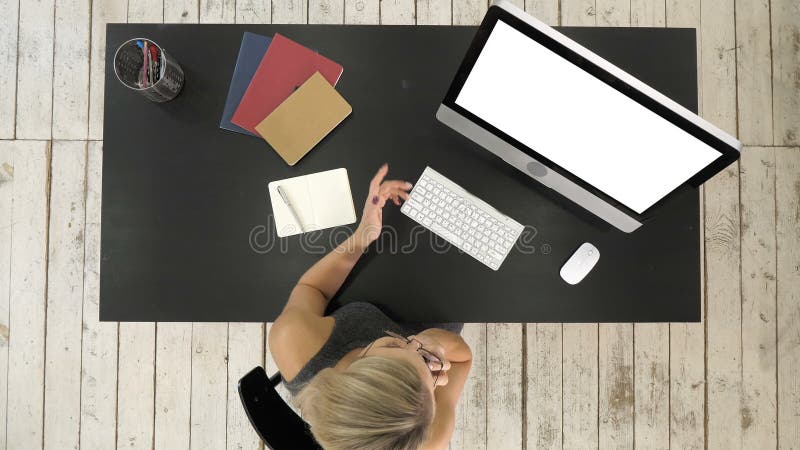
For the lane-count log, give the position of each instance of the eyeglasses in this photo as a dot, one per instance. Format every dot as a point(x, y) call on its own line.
point(433, 362)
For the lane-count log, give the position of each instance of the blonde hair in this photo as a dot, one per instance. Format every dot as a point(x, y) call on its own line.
point(377, 403)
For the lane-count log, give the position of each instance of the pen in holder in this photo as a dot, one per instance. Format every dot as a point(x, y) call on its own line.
point(143, 66)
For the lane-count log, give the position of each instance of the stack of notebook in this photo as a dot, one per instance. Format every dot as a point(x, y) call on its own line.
point(284, 93)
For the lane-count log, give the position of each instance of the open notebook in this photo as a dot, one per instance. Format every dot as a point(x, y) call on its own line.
point(320, 200)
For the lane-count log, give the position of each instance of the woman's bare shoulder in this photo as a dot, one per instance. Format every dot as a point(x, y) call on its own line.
point(295, 337)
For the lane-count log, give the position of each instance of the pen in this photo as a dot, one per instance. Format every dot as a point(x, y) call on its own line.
point(148, 68)
point(291, 208)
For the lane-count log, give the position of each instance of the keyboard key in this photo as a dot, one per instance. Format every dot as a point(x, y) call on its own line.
point(455, 240)
point(413, 203)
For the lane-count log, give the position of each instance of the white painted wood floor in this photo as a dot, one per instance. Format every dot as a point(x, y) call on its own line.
point(68, 381)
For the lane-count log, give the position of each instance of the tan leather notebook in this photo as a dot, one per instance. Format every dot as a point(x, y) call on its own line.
point(303, 119)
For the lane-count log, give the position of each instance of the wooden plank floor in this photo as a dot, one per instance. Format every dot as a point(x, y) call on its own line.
point(731, 381)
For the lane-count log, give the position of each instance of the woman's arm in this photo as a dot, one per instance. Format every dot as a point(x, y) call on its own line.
point(446, 400)
point(450, 382)
point(293, 336)
point(319, 284)
point(301, 317)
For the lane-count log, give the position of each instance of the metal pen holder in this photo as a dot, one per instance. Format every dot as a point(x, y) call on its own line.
point(143, 66)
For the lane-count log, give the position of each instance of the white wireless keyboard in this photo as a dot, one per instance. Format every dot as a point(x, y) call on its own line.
point(462, 219)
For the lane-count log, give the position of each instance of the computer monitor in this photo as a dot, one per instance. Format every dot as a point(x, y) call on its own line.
point(575, 122)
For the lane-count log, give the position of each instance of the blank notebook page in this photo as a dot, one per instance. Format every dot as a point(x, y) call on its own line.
point(321, 200)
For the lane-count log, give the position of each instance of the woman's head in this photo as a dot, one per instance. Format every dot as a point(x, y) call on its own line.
point(384, 401)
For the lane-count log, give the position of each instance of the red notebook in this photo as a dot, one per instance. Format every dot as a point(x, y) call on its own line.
point(284, 67)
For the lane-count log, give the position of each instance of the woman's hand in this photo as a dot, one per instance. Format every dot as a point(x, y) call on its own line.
point(379, 192)
point(431, 344)
point(456, 349)
point(450, 346)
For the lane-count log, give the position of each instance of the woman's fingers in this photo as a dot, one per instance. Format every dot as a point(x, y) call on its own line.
point(394, 190)
point(395, 186)
point(374, 185)
point(381, 191)
point(446, 365)
point(390, 193)
point(442, 380)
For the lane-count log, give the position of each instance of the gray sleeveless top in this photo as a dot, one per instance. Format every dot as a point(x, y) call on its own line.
point(356, 325)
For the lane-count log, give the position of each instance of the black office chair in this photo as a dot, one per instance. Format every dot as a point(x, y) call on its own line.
point(275, 422)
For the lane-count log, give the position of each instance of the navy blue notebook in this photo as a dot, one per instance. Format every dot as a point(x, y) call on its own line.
point(250, 53)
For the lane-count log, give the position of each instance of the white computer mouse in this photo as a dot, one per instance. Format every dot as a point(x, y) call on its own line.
point(580, 263)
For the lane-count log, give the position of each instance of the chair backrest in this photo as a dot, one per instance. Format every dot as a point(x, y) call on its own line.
point(274, 421)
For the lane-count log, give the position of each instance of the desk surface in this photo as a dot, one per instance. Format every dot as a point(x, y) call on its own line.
point(187, 233)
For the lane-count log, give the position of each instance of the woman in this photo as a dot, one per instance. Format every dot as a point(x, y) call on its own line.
point(361, 380)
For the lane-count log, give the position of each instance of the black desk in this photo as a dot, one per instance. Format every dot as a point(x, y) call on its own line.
point(181, 198)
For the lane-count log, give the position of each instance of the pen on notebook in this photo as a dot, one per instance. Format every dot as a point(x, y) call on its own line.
point(291, 208)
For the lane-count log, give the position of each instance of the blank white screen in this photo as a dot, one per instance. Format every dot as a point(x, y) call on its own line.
point(582, 124)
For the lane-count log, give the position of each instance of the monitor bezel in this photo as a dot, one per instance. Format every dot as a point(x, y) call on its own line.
point(728, 153)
